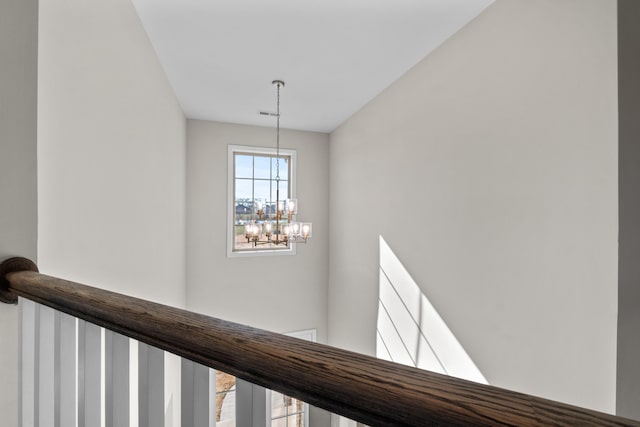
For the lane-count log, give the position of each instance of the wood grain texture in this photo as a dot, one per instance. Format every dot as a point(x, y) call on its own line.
point(363, 388)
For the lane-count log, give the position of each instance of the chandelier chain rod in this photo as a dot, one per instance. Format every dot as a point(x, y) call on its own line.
point(278, 163)
point(278, 137)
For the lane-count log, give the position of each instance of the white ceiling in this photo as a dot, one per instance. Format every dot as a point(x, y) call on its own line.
point(334, 55)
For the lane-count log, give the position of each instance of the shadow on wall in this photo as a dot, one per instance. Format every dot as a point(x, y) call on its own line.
point(410, 331)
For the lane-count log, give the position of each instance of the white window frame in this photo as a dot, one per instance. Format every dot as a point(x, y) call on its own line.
point(307, 335)
point(232, 149)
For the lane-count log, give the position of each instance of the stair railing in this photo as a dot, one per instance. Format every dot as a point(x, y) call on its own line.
point(365, 389)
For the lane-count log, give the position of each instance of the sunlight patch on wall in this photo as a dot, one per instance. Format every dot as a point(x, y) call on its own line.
point(410, 330)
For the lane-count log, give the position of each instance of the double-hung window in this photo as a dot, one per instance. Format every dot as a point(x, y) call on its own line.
point(260, 182)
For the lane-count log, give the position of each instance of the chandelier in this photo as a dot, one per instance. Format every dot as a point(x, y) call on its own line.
point(280, 228)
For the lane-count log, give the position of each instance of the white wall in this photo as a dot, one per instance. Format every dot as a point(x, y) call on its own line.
point(491, 169)
point(279, 293)
point(18, 191)
point(112, 155)
point(112, 141)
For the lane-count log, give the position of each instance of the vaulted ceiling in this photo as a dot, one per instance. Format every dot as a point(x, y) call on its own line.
point(334, 55)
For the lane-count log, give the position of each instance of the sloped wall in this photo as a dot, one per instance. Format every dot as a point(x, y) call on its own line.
point(491, 169)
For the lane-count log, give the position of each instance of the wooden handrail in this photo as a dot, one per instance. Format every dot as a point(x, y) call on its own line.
point(363, 388)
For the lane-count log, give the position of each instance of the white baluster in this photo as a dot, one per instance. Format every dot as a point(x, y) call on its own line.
point(29, 326)
point(212, 393)
point(89, 374)
point(197, 399)
point(46, 368)
point(66, 410)
point(116, 379)
point(251, 404)
point(150, 386)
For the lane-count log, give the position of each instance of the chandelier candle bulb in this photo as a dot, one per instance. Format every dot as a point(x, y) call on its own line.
point(306, 230)
point(260, 209)
point(256, 231)
point(292, 206)
point(295, 230)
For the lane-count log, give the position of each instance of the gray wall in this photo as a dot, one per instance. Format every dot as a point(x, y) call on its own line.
point(18, 190)
point(628, 385)
point(111, 153)
point(280, 293)
point(112, 156)
point(490, 168)
point(516, 225)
